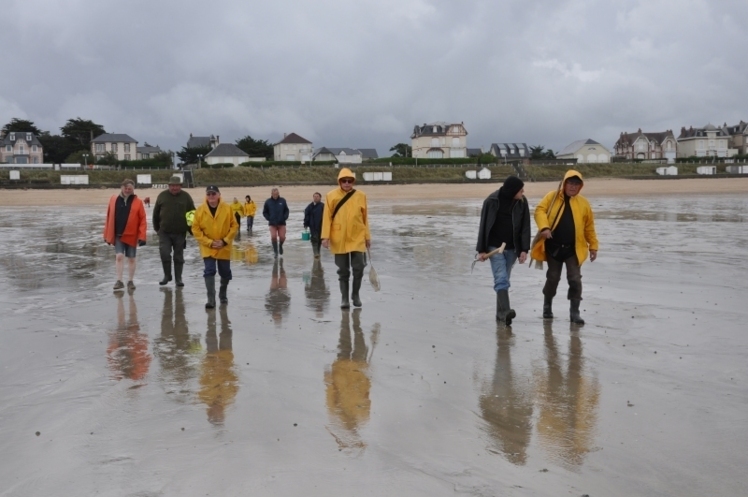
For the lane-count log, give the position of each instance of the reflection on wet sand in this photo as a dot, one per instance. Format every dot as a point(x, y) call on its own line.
point(219, 382)
point(506, 404)
point(175, 348)
point(567, 402)
point(127, 353)
point(317, 293)
point(244, 251)
point(278, 300)
point(348, 383)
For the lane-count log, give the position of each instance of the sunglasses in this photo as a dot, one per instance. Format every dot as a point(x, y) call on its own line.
point(211, 194)
point(345, 180)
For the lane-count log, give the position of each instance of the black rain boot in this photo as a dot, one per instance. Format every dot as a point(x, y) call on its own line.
point(354, 293)
point(344, 303)
point(574, 315)
point(503, 297)
point(178, 274)
point(275, 249)
point(210, 286)
point(222, 291)
point(500, 310)
point(547, 307)
point(167, 273)
point(280, 248)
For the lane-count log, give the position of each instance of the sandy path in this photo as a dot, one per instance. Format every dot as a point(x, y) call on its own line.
point(593, 187)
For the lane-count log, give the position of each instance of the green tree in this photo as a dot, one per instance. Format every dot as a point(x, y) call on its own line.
point(402, 150)
point(539, 152)
point(163, 158)
point(108, 159)
point(57, 148)
point(82, 131)
point(22, 126)
point(256, 148)
point(189, 155)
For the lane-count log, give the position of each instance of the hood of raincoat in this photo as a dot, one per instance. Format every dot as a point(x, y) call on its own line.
point(345, 173)
point(571, 173)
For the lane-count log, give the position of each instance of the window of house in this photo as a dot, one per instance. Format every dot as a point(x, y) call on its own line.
point(22, 150)
point(114, 147)
point(33, 148)
point(36, 160)
point(127, 147)
point(28, 137)
point(99, 147)
point(127, 156)
point(435, 154)
point(434, 129)
point(521, 152)
point(711, 143)
point(455, 142)
point(12, 137)
point(8, 148)
point(701, 143)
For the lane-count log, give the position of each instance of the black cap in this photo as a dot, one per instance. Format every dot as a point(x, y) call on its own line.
point(575, 179)
point(512, 186)
point(212, 188)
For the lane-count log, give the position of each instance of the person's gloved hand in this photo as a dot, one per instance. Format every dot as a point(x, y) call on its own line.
point(141, 243)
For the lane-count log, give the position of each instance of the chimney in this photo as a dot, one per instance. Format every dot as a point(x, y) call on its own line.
point(218, 139)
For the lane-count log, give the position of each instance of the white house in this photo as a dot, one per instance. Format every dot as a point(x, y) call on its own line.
point(708, 141)
point(341, 155)
point(293, 148)
point(225, 153)
point(586, 152)
point(124, 147)
point(439, 141)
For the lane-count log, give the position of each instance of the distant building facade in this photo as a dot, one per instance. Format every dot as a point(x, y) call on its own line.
point(293, 148)
point(737, 137)
point(19, 147)
point(586, 152)
point(510, 151)
point(124, 147)
point(203, 141)
point(439, 141)
point(226, 153)
point(340, 155)
point(148, 151)
point(644, 146)
point(709, 141)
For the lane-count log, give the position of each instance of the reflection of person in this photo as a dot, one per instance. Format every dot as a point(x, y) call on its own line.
point(567, 402)
point(345, 231)
point(250, 209)
point(348, 383)
point(313, 221)
point(170, 222)
point(214, 228)
point(127, 353)
point(317, 294)
point(219, 382)
point(505, 218)
point(275, 212)
point(506, 405)
point(278, 300)
point(566, 228)
point(174, 344)
point(125, 228)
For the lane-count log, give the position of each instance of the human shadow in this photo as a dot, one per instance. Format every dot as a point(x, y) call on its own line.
point(317, 293)
point(127, 352)
point(506, 402)
point(278, 299)
point(567, 399)
point(348, 383)
point(219, 382)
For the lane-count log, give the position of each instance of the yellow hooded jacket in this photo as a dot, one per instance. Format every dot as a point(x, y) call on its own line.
point(237, 208)
point(250, 209)
point(350, 229)
point(206, 228)
point(584, 221)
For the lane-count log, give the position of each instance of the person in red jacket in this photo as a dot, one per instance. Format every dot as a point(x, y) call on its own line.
point(125, 228)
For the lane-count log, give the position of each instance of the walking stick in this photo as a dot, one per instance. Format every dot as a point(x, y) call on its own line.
point(490, 254)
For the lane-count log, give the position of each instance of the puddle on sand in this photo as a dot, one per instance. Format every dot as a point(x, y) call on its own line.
point(417, 393)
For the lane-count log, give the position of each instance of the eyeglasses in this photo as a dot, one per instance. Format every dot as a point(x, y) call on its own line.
point(211, 194)
point(346, 180)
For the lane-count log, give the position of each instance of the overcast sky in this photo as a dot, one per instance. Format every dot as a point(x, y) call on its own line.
point(363, 73)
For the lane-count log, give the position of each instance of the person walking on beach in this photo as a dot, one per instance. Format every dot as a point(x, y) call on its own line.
point(214, 229)
point(566, 235)
point(505, 218)
point(170, 222)
point(238, 209)
point(313, 222)
point(250, 209)
point(125, 228)
point(345, 231)
point(275, 212)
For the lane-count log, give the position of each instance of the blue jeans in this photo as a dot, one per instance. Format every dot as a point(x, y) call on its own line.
point(224, 268)
point(250, 222)
point(501, 265)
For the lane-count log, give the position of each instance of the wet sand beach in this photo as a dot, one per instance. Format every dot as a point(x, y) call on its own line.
point(417, 394)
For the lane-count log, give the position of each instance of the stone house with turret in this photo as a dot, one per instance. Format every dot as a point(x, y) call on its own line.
point(709, 141)
point(439, 141)
point(737, 137)
point(647, 146)
point(20, 147)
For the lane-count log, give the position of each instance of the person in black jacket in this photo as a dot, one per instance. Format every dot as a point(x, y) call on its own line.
point(505, 218)
point(313, 221)
point(275, 212)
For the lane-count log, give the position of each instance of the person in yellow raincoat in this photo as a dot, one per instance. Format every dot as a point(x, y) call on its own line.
point(566, 235)
point(250, 209)
point(214, 229)
point(345, 231)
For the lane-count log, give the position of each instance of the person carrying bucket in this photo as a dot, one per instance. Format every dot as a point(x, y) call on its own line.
point(345, 231)
point(313, 222)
